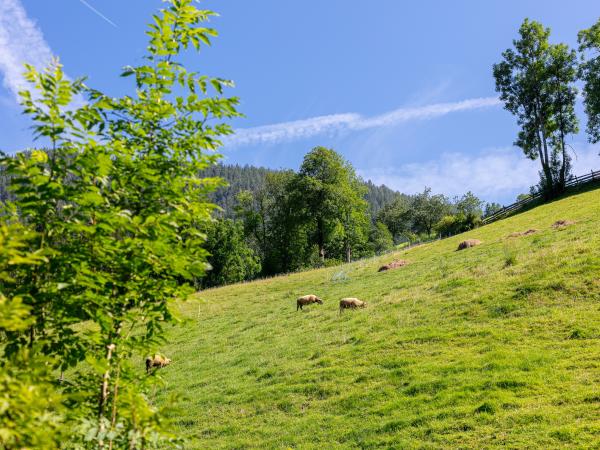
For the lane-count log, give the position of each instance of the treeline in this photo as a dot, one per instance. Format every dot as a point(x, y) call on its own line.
point(250, 178)
point(324, 214)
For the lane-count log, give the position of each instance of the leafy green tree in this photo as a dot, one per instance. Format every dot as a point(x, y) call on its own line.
point(536, 83)
point(31, 411)
point(380, 238)
point(397, 218)
point(117, 206)
point(589, 44)
point(449, 225)
point(469, 204)
point(332, 200)
point(253, 209)
point(231, 259)
point(522, 197)
point(427, 210)
point(491, 208)
point(287, 229)
point(469, 212)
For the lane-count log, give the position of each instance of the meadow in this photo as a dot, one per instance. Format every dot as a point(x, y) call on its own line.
point(490, 347)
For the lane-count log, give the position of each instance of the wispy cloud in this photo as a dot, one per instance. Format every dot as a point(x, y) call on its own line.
point(301, 129)
point(98, 13)
point(21, 41)
point(495, 174)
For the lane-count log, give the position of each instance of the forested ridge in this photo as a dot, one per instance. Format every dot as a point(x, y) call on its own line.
point(250, 178)
point(275, 221)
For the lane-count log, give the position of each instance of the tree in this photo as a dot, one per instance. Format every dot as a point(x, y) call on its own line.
point(449, 225)
point(397, 218)
point(427, 210)
point(589, 42)
point(332, 199)
point(469, 204)
point(288, 232)
point(231, 259)
point(535, 82)
point(116, 207)
point(380, 238)
point(469, 212)
point(492, 208)
point(32, 411)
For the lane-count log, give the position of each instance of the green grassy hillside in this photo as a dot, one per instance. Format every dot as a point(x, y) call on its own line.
point(494, 346)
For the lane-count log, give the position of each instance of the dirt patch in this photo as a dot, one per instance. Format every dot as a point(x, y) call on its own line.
point(468, 244)
point(562, 223)
point(523, 233)
point(393, 265)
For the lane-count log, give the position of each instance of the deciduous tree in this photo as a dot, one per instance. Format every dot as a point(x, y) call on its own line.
point(589, 46)
point(536, 83)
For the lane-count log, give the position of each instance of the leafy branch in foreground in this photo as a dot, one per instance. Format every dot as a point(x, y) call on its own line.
point(116, 208)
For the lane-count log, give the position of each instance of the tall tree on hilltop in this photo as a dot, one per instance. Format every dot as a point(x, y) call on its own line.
point(535, 82)
point(332, 198)
point(589, 41)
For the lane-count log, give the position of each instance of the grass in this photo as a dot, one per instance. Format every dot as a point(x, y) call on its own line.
point(490, 347)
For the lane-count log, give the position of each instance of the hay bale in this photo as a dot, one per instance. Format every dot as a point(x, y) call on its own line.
point(468, 244)
point(393, 265)
point(562, 223)
point(523, 233)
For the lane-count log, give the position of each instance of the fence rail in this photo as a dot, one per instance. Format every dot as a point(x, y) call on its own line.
point(575, 181)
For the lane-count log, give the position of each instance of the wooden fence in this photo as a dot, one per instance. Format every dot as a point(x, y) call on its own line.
point(572, 182)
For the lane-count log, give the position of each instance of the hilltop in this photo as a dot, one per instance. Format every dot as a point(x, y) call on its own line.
point(494, 346)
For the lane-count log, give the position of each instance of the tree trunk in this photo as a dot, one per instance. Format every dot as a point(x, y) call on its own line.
point(551, 188)
point(104, 395)
point(543, 153)
point(321, 239)
point(563, 169)
point(113, 419)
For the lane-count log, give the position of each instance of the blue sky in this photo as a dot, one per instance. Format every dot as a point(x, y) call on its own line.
point(403, 90)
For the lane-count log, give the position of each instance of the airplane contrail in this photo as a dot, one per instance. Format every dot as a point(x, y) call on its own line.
point(99, 13)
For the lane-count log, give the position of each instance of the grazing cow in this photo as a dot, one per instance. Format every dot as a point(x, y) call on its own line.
point(156, 361)
point(307, 300)
point(351, 303)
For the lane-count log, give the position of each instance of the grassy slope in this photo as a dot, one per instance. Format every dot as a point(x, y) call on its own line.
point(456, 350)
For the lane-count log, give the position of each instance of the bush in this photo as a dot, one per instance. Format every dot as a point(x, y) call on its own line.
point(457, 223)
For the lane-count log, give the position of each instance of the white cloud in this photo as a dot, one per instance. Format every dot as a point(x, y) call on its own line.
point(300, 129)
point(21, 41)
point(289, 131)
point(495, 175)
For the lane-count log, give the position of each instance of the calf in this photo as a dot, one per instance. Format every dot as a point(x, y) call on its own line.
point(307, 300)
point(351, 303)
